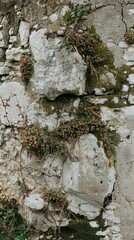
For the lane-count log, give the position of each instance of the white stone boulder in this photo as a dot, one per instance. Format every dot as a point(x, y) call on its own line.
point(14, 54)
point(130, 79)
point(34, 114)
point(56, 71)
point(24, 29)
point(34, 202)
point(13, 103)
point(4, 70)
point(87, 179)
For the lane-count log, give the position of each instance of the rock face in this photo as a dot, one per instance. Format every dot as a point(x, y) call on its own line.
point(88, 177)
point(56, 71)
point(63, 86)
point(13, 103)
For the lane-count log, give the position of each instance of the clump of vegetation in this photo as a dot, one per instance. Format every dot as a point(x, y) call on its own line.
point(12, 226)
point(10, 3)
point(76, 13)
point(87, 119)
point(90, 47)
point(129, 37)
point(56, 198)
point(26, 67)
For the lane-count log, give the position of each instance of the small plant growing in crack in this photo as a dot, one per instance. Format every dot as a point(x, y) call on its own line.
point(56, 198)
point(26, 67)
point(76, 13)
point(129, 37)
point(90, 47)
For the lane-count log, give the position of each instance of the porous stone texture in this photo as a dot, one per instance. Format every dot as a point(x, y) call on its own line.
point(87, 177)
point(94, 182)
point(56, 71)
point(13, 103)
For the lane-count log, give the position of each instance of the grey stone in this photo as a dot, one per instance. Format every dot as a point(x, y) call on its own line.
point(24, 29)
point(131, 98)
point(86, 178)
point(125, 88)
point(115, 100)
point(14, 54)
point(56, 71)
point(13, 103)
point(110, 43)
point(129, 56)
point(13, 39)
point(34, 114)
point(99, 91)
point(34, 202)
point(122, 44)
point(54, 17)
point(130, 79)
point(4, 70)
point(123, 132)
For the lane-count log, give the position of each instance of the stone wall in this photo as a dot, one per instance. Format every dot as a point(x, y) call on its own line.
point(54, 56)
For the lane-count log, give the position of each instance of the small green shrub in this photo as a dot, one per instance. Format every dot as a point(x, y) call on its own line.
point(76, 13)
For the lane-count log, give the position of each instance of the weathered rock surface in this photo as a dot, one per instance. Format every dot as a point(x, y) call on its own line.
point(24, 29)
point(87, 178)
point(13, 103)
point(56, 71)
point(92, 182)
point(34, 202)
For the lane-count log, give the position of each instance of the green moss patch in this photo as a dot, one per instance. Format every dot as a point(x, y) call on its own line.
point(80, 229)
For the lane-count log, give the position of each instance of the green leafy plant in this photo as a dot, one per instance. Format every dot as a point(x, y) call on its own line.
point(26, 67)
point(12, 226)
point(76, 13)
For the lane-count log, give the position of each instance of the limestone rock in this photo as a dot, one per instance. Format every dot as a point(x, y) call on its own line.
point(130, 79)
point(131, 98)
point(34, 202)
point(56, 71)
point(24, 29)
point(87, 178)
point(14, 54)
point(13, 103)
point(35, 114)
point(129, 56)
point(4, 70)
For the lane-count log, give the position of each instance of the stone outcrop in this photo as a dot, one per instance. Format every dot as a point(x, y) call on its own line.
point(67, 115)
point(56, 71)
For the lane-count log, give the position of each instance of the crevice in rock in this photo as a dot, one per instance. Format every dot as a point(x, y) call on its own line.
point(122, 15)
point(102, 6)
